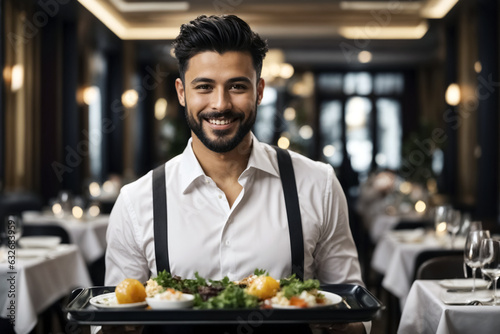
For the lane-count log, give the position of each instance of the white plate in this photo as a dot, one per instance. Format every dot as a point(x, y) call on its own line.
point(29, 253)
point(331, 298)
point(39, 241)
point(463, 283)
point(108, 300)
point(163, 304)
point(461, 298)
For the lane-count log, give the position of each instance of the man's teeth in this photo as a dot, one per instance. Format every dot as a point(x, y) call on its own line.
point(219, 121)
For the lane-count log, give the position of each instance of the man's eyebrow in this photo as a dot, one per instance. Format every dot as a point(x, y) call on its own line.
point(198, 80)
point(238, 79)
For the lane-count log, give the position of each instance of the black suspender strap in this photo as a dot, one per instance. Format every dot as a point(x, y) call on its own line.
point(292, 211)
point(160, 219)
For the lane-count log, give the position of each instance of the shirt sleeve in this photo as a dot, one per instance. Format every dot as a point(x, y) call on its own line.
point(124, 257)
point(336, 258)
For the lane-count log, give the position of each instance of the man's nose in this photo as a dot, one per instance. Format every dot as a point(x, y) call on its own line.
point(221, 100)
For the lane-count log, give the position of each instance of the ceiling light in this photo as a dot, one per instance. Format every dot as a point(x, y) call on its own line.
point(127, 7)
point(130, 98)
point(17, 77)
point(452, 95)
point(380, 5)
point(90, 94)
point(478, 67)
point(437, 9)
point(399, 32)
point(365, 57)
point(115, 22)
point(161, 108)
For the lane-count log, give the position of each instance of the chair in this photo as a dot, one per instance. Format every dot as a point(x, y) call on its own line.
point(442, 267)
point(46, 229)
point(434, 253)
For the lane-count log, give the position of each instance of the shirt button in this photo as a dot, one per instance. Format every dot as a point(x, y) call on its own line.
point(228, 243)
point(220, 196)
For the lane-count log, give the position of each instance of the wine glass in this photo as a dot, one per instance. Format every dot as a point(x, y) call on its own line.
point(453, 220)
point(440, 219)
point(13, 228)
point(490, 261)
point(472, 251)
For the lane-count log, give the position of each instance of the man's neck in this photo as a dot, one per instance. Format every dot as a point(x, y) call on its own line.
point(223, 167)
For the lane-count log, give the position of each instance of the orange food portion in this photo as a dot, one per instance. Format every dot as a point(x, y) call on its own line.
point(130, 291)
point(298, 302)
point(263, 287)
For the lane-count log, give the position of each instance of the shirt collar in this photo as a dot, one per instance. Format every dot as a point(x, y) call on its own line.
point(260, 158)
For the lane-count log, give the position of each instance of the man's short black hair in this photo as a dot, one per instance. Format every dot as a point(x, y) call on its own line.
point(218, 33)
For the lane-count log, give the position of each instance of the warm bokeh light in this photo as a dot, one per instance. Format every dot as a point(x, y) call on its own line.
point(284, 143)
point(57, 209)
point(17, 77)
point(405, 187)
point(90, 94)
point(161, 108)
point(286, 71)
point(328, 150)
point(478, 67)
point(441, 228)
point(306, 132)
point(108, 186)
point(420, 206)
point(130, 98)
point(77, 212)
point(432, 186)
point(94, 211)
point(365, 57)
point(289, 114)
point(94, 189)
point(452, 95)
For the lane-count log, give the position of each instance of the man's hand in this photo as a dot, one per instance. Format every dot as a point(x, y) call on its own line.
point(341, 328)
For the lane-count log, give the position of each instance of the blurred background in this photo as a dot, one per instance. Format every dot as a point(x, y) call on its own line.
point(401, 97)
point(88, 102)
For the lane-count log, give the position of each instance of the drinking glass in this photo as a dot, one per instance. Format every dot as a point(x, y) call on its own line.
point(472, 251)
point(453, 220)
point(490, 261)
point(440, 219)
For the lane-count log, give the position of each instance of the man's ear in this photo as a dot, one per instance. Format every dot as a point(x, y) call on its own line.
point(260, 90)
point(179, 87)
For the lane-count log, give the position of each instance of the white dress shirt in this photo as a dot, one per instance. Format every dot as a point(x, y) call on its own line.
point(207, 236)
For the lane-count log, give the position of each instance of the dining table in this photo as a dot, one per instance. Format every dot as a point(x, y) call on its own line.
point(35, 278)
point(88, 233)
point(433, 308)
point(395, 254)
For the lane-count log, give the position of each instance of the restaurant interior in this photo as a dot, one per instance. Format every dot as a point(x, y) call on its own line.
point(401, 97)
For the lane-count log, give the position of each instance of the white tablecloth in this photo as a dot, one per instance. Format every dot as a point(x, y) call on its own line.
point(395, 260)
point(424, 313)
point(39, 282)
point(380, 224)
point(88, 234)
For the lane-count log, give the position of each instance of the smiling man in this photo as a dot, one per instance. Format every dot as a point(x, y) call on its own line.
point(230, 204)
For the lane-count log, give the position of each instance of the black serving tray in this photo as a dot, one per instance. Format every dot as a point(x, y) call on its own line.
point(359, 305)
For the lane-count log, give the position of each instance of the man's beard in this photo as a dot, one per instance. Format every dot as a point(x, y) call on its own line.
point(222, 143)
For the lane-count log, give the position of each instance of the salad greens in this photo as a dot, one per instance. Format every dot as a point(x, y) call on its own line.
point(293, 286)
point(224, 294)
